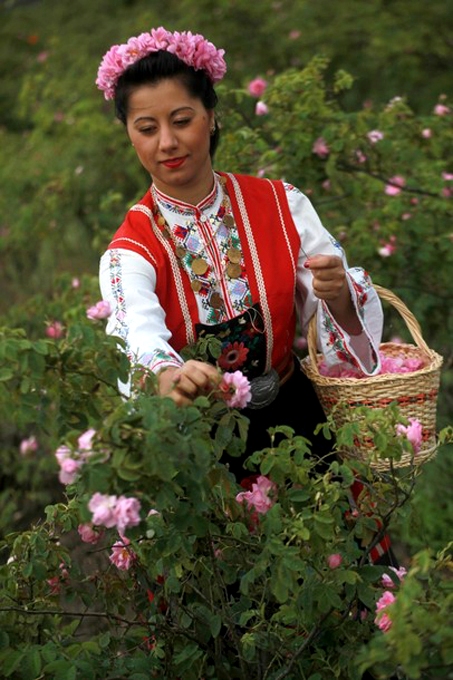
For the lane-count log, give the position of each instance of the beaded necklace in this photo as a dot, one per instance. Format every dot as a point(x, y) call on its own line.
point(198, 262)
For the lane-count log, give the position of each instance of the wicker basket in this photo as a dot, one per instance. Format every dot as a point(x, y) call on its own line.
point(415, 393)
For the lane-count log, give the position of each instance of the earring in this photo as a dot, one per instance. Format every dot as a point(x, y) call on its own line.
point(212, 130)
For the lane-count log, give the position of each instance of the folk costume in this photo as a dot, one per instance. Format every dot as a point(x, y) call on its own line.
point(234, 266)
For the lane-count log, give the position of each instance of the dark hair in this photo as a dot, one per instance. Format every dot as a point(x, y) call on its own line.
point(158, 66)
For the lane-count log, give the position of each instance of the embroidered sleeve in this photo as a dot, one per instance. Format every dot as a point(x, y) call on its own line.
point(127, 281)
point(336, 344)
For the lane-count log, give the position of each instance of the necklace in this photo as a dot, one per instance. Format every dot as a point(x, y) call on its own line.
point(197, 263)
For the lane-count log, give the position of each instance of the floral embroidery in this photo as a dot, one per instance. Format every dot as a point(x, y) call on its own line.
point(233, 356)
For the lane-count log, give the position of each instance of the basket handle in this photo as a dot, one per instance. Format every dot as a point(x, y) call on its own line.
point(386, 295)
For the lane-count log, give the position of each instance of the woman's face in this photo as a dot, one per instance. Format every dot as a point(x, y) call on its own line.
point(170, 130)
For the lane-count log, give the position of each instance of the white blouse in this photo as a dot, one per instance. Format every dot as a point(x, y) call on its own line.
point(139, 318)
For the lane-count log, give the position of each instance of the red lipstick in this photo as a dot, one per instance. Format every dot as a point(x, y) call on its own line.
point(174, 163)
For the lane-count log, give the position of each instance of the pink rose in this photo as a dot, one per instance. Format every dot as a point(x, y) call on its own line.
point(29, 445)
point(387, 580)
point(427, 133)
point(441, 110)
point(257, 87)
point(88, 534)
point(258, 498)
point(85, 441)
point(383, 620)
point(261, 109)
point(69, 469)
point(334, 560)
point(126, 513)
point(102, 508)
point(375, 136)
point(55, 330)
point(101, 310)
point(122, 556)
point(321, 148)
point(447, 176)
point(235, 388)
point(396, 183)
point(414, 433)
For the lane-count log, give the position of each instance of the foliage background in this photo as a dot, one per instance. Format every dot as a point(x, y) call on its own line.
point(67, 174)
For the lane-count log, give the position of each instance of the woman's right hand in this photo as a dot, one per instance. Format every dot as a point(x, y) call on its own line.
point(185, 383)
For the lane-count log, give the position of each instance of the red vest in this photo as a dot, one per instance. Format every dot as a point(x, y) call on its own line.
point(270, 245)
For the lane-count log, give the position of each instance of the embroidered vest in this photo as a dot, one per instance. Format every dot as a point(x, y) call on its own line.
point(270, 245)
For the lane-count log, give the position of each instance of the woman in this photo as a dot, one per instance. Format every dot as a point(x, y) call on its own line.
point(209, 252)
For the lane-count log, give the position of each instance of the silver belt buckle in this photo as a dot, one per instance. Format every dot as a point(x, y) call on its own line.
point(264, 389)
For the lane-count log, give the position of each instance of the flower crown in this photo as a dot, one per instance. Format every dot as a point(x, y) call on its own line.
point(193, 50)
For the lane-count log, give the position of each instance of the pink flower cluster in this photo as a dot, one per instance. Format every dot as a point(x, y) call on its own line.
point(70, 462)
point(101, 310)
point(114, 511)
point(383, 620)
point(193, 49)
point(259, 497)
point(389, 364)
point(235, 389)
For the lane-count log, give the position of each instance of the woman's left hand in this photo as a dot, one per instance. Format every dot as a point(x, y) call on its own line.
point(329, 276)
point(330, 284)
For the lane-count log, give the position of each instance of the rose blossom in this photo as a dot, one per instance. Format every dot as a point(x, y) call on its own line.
point(396, 183)
point(29, 445)
point(122, 556)
point(383, 620)
point(441, 110)
point(102, 507)
point(85, 441)
point(69, 469)
point(375, 136)
point(414, 433)
point(387, 580)
point(321, 148)
point(101, 310)
point(258, 498)
point(261, 109)
point(235, 388)
point(126, 513)
point(88, 534)
point(54, 330)
point(257, 87)
point(427, 133)
point(334, 560)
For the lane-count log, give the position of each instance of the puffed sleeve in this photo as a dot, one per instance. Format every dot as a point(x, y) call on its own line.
point(336, 344)
point(127, 281)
